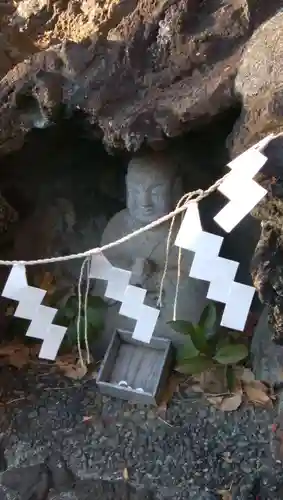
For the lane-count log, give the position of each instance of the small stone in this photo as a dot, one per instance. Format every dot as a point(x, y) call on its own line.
point(32, 483)
point(246, 467)
point(61, 477)
point(242, 444)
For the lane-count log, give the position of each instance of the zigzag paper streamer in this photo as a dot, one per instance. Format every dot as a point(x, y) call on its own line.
point(240, 188)
point(220, 272)
point(29, 307)
point(132, 297)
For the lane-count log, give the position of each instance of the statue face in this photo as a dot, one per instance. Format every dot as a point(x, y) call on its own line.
point(149, 194)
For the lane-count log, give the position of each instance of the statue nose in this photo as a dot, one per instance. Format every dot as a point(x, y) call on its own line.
point(145, 199)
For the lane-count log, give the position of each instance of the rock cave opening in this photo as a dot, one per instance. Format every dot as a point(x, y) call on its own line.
point(64, 187)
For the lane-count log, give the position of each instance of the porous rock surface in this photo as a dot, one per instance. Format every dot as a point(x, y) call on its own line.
point(267, 263)
point(139, 69)
point(259, 84)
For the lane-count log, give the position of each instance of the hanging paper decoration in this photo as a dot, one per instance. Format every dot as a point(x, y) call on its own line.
point(132, 297)
point(218, 271)
point(30, 307)
point(240, 188)
point(243, 194)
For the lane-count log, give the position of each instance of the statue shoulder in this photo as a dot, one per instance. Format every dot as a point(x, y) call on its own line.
point(116, 227)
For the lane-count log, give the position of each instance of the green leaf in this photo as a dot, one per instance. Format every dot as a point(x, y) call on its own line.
point(188, 350)
point(60, 297)
point(181, 326)
point(96, 302)
point(208, 319)
point(231, 354)
point(234, 334)
point(196, 333)
point(72, 303)
point(61, 317)
point(71, 334)
point(70, 338)
point(195, 365)
point(95, 318)
point(223, 342)
point(69, 312)
point(199, 339)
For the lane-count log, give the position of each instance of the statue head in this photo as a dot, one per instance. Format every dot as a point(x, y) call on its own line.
point(153, 187)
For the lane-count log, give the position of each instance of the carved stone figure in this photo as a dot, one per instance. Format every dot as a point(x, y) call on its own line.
point(153, 189)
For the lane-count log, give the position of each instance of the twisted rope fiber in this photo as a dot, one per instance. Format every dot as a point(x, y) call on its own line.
point(186, 199)
point(193, 196)
point(199, 193)
point(83, 363)
point(182, 202)
point(86, 262)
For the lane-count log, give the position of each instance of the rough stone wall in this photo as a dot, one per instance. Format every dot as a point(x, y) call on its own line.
point(14, 45)
point(139, 69)
point(259, 85)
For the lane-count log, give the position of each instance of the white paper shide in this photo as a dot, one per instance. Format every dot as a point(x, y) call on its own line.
point(240, 188)
point(218, 271)
point(30, 307)
point(131, 297)
point(243, 194)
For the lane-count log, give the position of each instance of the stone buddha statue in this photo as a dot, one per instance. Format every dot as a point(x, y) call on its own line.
point(153, 189)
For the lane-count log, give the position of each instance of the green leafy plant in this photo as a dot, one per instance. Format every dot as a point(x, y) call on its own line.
point(206, 346)
point(67, 316)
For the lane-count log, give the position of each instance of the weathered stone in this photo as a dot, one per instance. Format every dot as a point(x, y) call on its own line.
point(259, 83)
point(32, 483)
point(267, 263)
point(267, 356)
point(28, 10)
point(150, 70)
point(62, 479)
point(145, 69)
point(70, 495)
point(108, 490)
point(184, 458)
point(153, 190)
point(3, 461)
point(262, 488)
point(14, 45)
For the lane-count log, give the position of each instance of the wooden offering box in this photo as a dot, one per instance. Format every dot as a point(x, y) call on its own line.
point(136, 366)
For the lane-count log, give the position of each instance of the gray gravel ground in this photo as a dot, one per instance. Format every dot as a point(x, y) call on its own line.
point(195, 452)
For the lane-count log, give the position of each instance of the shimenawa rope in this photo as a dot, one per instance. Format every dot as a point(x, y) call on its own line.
point(195, 196)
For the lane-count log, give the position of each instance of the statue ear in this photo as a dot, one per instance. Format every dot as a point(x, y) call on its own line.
point(177, 190)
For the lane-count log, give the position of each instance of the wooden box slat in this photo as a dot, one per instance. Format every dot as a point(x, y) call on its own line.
point(141, 365)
